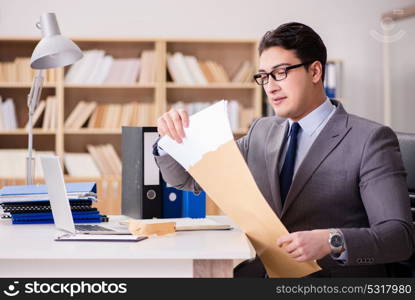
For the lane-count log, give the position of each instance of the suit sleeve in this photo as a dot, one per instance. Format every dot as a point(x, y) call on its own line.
point(384, 193)
point(174, 174)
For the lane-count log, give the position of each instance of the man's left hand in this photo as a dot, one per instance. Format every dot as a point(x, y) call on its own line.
point(306, 245)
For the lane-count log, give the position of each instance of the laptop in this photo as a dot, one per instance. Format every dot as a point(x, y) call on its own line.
point(59, 203)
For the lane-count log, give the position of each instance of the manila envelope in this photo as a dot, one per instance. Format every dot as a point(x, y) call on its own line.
point(234, 190)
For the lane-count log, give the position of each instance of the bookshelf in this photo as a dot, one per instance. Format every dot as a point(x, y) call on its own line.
point(160, 94)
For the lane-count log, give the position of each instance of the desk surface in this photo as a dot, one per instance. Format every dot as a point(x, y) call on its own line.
point(37, 242)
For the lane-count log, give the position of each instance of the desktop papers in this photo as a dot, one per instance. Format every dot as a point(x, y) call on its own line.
point(209, 149)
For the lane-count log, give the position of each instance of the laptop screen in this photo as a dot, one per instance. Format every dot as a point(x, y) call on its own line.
point(59, 202)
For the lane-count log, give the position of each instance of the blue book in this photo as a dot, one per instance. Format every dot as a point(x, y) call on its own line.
point(172, 201)
point(194, 206)
point(74, 187)
point(47, 218)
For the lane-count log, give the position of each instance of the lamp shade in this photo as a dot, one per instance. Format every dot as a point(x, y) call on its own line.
point(53, 50)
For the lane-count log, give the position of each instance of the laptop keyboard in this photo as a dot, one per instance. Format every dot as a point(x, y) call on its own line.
point(87, 227)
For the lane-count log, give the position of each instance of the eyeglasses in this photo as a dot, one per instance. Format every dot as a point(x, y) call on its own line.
point(277, 74)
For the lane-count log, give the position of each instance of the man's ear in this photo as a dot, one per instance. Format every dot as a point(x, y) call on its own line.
point(316, 71)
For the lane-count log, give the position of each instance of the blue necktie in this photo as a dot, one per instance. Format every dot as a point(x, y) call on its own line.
point(287, 171)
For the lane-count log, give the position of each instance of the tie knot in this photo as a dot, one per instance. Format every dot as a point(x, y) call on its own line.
point(295, 127)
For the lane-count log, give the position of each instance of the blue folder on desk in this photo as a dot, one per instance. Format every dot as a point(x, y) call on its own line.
point(194, 205)
point(172, 201)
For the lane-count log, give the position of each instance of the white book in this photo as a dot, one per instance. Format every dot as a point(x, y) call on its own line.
point(105, 69)
point(81, 165)
point(13, 163)
point(48, 114)
point(331, 76)
point(173, 70)
point(147, 74)
point(86, 63)
point(96, 65)
point(9, 114)
point(71, 75)
point(1, 114)
point(183, 69)
point(194, 68)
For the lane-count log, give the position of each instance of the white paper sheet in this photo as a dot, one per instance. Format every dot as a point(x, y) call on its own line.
point(207, 131)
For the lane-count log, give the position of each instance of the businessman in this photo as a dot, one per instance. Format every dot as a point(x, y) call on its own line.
point(335, 180)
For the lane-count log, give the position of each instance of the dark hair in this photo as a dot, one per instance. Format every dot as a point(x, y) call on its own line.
point(304, 40)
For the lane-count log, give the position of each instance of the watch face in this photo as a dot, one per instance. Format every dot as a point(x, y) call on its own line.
point(336, 241)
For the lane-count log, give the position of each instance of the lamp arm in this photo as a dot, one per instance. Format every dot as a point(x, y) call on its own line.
point(32, 101)
point(35, 91)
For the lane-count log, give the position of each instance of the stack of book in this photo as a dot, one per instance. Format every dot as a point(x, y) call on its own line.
point(102, 160)
point(110, 116)
point(29, 204)
point(186, 69)
point(19, 71)
point(98, 68)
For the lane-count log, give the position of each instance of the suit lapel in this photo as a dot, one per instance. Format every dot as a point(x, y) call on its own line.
point(274, 142)
point(331, 135)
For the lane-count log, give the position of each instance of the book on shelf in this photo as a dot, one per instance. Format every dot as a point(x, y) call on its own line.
point(81, 165)
point(19, 71)
point(96, 67)
point(37, 114)
point(148, 70)
point(187, 69)
point(8, 118)
point(244, 73)
point(100, 160)
point(50, 118)
point(240, 117)
point(110, 116)
point(106, 159)
point(13, 163)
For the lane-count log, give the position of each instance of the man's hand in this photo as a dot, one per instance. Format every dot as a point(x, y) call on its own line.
point(172, 123)
point(306, 245)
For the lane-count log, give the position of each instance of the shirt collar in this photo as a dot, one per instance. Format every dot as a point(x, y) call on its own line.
point(313, 120)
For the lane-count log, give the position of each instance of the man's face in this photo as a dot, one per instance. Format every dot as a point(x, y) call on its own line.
point(290, 97)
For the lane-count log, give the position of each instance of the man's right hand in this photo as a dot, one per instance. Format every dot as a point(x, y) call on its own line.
point(172, 123)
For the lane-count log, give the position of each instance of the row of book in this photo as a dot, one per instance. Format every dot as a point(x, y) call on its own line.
point(101, 160)
point(30, 204)
point(96, 67)
point(19, 71)
point(333, 79)
point(8, 118)
point(187, 69)
point(240, 117)
point(48, 109)
point(110, 116)
point(13, 163)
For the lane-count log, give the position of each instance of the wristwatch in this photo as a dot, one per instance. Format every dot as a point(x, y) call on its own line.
point(336, 241)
